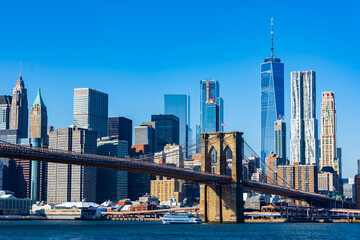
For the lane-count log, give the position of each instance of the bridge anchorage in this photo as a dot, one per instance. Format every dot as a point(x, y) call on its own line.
point(222, 202)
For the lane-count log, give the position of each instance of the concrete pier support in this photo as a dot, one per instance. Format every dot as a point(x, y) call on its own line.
point(222, 203)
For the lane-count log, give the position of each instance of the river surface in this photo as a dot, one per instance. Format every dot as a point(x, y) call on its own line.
point(156, 230)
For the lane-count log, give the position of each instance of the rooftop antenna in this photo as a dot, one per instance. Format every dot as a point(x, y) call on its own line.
point(20, 67)
point(272, 40)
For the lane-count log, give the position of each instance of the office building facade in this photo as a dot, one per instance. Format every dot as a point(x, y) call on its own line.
point(91, 110)
point(357, 191)
point(349, 191)
point(111, 184)
point(38, 120)
point(286, 175)
point(272, 161)
point(304, 137)
point(168, 188)
point(301, 177)
point(272, 99)
point(171, 155)
point(71, 183)
point(328, 182)
point(122, 128)
point(5, 107)
point(18, 177)
point(179, 105)
point(145, 135)
point(166, 131)
point(328, 145)
point(211, 107)
point(280, 139)
point(19, 109)
point(306, 177)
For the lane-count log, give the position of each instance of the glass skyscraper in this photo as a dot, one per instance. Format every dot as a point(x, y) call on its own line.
point(211, 107)
point(179, 105)
point(121, 127)
point(91, 110)
point(111, 184)
point(166, 130)
point(272, 99)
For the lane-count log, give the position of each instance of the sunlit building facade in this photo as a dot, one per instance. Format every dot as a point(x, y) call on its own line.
point(211, 107)
point(19, 114)
point(280, 139)
point(38, 120)
point(272, 101)
point(179, 105)
point(304, 134)
point(91, 110)
point(328, 133)
point(66, 182)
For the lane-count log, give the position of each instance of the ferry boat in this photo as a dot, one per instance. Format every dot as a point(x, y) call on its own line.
point(180, 218)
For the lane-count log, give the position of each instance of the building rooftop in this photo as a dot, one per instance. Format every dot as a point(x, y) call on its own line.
point(38, 100)
point(5, 99)
point(77, 205)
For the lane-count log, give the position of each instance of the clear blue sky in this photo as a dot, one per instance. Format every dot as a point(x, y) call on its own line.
point(136, 51)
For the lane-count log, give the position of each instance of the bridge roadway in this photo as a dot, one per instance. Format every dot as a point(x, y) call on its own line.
point(65, 157)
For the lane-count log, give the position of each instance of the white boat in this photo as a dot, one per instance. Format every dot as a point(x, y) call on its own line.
point(180, 218)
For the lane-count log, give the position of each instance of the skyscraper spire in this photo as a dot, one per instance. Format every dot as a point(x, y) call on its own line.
point(38, 100)
point(272, 39)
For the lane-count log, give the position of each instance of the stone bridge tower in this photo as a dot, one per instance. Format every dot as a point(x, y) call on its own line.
point(222, 203)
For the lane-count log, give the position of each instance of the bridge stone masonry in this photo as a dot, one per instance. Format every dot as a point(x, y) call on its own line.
point(222, 203)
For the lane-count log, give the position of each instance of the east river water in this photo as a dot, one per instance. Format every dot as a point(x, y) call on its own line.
point(156, 230)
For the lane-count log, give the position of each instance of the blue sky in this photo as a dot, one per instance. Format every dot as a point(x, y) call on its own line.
point(136, 51)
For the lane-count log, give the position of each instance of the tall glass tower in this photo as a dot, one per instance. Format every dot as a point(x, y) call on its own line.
point(272, 99)
point(211, 107)
point(179, 105)
point(91, 110)
point(211, 110)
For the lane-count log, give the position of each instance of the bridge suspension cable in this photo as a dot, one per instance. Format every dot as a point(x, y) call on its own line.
point(152, 155)
point(271, 169)
point(141, 157)
point(175, 152)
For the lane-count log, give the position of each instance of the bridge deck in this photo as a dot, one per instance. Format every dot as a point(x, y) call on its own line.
point(64, 157)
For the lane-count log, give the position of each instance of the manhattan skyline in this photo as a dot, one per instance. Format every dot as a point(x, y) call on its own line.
point(172, 52)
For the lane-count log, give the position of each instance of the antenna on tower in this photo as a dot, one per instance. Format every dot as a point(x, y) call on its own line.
point(20, 67)
point(272, 39)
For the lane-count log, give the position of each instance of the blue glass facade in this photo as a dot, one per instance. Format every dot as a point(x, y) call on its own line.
point(211, 110)
point(166, 130)
point(211, 107)
point(272, 101)
point(179, 105)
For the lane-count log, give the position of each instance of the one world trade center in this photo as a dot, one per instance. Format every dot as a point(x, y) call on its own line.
point(272, 99)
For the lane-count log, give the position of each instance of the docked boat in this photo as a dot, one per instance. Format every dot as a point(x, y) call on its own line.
point(180, 218)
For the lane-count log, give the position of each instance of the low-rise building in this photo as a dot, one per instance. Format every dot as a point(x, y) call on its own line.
point(168, 188)
point(10, 205)
point(73, 210)
point(349, 190)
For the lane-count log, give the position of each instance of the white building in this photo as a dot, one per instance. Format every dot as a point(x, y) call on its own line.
point(171, 155)
point(304, 137)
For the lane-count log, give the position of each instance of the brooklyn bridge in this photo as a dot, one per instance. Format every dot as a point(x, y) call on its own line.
point(221, 194)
